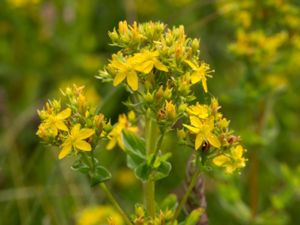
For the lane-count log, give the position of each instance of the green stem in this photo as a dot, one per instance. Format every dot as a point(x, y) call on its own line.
point(115, 203)
point(159, 142)
point(107, 192)
point(186, 195)
point(149, 186)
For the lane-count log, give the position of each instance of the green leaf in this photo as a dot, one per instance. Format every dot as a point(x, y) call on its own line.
point(80, 166)
point(101, 174)
point(143, 172)
point(162, 171)
point(194, 217)
point(135, 149)
point(159, 159)
point(170, 202)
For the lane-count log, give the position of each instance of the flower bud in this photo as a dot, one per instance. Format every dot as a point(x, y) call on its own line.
point(149, 97)
point(107, 127)
point(182, 108)
point(160, 92)
point(98, 122)
point(181, 134)
point(140, 211)
point(167, 93)
point(56, 105)
point(224, 123)
point(195, 44)
point(43, 114)
point(131, 117)
point(170, 110)
point(113, 35)
point(214, 105)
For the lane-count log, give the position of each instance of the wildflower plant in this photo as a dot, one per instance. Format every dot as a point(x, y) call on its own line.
point(162, 70)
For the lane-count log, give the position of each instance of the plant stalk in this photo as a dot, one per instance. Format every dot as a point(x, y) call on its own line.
point(115, 203)
point(149, 186)
point(108, 193)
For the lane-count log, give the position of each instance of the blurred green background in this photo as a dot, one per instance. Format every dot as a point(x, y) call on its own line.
point(47, 45)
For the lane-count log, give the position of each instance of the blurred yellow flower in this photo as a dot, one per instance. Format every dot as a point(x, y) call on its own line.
point(233, 161)
point(203, 130)
point(96, 215)
point(126, 178)
point(76, 140)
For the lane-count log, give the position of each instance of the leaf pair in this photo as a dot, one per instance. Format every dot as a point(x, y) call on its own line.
point(145, 168)
point(97, 174)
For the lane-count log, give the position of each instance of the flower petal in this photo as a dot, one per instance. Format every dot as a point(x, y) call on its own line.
point(75, 130)
point(144, 67)
point(66, 150)
point(119, 78)
point(85, 133)
point(111, 144)
point(158, 65)
point(192, 65)
point(196, 122)
point(237, 152)
point(199, 140)
point(61, 125)
point(204, 84)
point(194, 130)
point(64, 114)
point(195, 77)
point(132, 80)
point(82, 145)
point(221, 160)
point(213, 140)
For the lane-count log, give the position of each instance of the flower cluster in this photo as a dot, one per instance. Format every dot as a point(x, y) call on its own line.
point(263, 27)
point(211, 134)
point(162, 69)
point(257, 46)
point(71, 124)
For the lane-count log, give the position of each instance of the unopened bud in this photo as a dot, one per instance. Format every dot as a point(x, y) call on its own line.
point(170, 110)
point(148, 97)
point(195, 44)
point(131, 117)
point(160, 92)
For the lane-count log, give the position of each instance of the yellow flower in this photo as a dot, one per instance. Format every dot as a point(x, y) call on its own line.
point(115, 136)
point(53, 123)
point(201, 111)
point(145, 61)
point(76, 140)
point(203, 130)
point(233, 161)
point(199, 73)
point(124, 69)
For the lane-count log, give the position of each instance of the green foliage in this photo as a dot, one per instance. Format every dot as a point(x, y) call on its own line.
point(150, 167)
